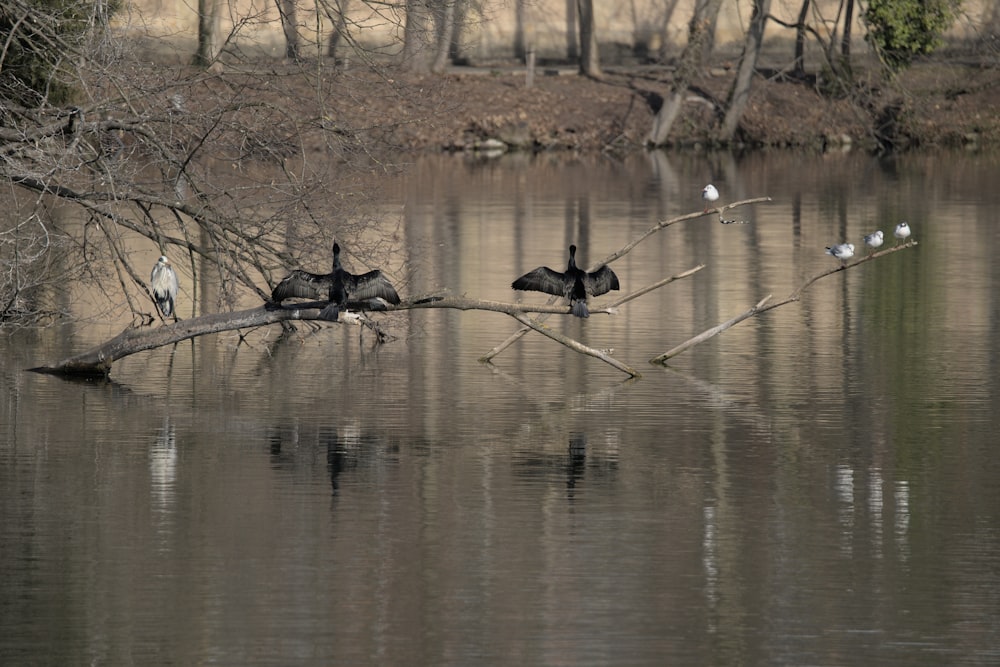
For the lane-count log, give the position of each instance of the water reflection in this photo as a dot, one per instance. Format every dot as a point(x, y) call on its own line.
point(902, 518)
point(163, 467)
point(816, 486)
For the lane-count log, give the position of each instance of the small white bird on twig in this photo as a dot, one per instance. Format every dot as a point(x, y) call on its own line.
point(710, 194)
point(874, 240)
point(902, 231)
point(842, 251)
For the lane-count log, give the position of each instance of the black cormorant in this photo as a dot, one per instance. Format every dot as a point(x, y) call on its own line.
point(338, 287)
point(575, 284)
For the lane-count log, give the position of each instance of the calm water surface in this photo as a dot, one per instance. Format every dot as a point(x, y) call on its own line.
point(818, 485)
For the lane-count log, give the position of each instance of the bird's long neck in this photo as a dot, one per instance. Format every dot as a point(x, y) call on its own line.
point(336, 257)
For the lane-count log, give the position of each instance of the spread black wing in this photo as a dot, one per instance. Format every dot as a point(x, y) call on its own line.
point(371, 285)
point(303, 285)
point(600, 281)
point(544, 279)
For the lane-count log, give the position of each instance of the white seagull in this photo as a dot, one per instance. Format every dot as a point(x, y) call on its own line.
point(709, 194)
point(842, 251)
point(902, 231)
point(163, 282)
point(874, 240)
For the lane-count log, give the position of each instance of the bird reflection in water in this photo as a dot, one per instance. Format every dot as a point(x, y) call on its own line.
point(577, 460)
point(163, 467)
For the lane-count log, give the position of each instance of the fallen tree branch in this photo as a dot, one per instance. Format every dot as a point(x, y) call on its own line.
point(97, 362)
point(765, 305)
point(624, 250)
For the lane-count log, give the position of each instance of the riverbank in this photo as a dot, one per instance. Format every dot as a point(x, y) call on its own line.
point(931, 105)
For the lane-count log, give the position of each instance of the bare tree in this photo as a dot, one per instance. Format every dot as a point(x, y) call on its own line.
point(845, 42)
point(590, 59)
point(288, 12)
point(416, 37)
point(445, 35)
point(221, 173)
point(825, 32)
point(699, 33)
point(799, 66)
point(208, 33)
point(572, 30)
point(740, 92)
point(336, 11)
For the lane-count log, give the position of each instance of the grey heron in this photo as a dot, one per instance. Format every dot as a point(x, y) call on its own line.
point(163, 282)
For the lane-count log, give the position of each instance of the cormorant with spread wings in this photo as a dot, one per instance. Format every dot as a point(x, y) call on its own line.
point(339, 287)
point(575, 284)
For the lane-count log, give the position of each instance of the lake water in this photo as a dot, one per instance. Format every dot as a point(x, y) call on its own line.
point(817, 485)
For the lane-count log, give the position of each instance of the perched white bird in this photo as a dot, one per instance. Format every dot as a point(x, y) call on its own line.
point(842, 251)
point(163, 282)
point(709, 194)
point(902, 231)
point(874, 240)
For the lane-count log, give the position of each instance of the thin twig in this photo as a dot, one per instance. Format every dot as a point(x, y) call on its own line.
point(663, 224)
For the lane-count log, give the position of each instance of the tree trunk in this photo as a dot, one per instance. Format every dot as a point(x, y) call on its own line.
point(740, 92)
point(690, 64)
point(336, 11)
point(461, 16)
point(572, 31)
point(445, 35)
point(208, 33)
point(800, 40)
point(845, 43)
point(415, 37)
point(289, 24)
point(590, 60)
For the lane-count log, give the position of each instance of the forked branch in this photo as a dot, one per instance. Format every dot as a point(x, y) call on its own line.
point(624, 250)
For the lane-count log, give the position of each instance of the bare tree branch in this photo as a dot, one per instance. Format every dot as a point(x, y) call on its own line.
point(711, 333)
point(575, 345)
point(624, 250)
point(765, 304)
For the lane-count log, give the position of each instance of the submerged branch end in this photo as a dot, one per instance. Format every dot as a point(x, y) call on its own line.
point(574, 345)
